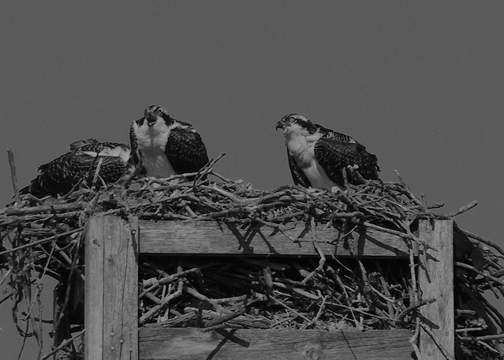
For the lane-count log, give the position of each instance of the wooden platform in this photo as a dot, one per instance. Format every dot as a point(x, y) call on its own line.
point(186, 344)
point(224, 238)
point(113, 246)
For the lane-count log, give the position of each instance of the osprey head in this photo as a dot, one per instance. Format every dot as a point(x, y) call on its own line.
point(296, 123)
point(154, 113)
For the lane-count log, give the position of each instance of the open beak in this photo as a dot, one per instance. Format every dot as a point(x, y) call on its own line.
point(280, 125)
point(151, 119)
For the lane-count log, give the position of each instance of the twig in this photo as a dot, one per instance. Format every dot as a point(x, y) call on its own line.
point(483, 240)
point(97, 172)
point(462, 210)
point(414, 339)
point(436, 341)
point(484, 337)
point(488, 276)
point(290, 309)
point(414, 307)
point(38, 242)
point(149, 314)
point(53, 208)
point(217, 323)
point(390, 231)
point(64, 344)
point(12, 164)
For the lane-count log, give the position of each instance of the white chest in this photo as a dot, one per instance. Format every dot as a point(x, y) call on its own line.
point(151, 142)
point(301, 148)
point(318, 177)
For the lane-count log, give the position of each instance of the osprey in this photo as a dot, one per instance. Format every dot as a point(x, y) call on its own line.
point(61, 175)
point(317, 155)
point(163, 146)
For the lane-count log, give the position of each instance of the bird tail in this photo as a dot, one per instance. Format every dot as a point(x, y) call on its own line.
point(35, 188)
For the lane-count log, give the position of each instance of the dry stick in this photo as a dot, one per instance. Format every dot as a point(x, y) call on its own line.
point(207, 169)
point(63, 344)
point(44, 209)
point(219, 176)
point(163, 294)
point(322, 260)
point(12, 164)
point(482, 343)
point(278, 227)
point(367, 286)
point(289, 308)
point(463, 209)
point(5, 276)
point(414, 339)
point(483, 338)
point(362, 311)
point(69, 261)
point(38, 242)
point(470, 267)
point(342, 286)
point(493, 312)
point(301, 292)
point(321, 308)
point(64, 308)
point(386, 290)
point(483, 240)
point(35, 330)
point(389, 231)
point(414, 307)
point(220, 322)
point(471, 329)
point(39, 282)
point(149, 314)
point(389, 300)
point(97, 171)
point(436, 341)
point(166, 279)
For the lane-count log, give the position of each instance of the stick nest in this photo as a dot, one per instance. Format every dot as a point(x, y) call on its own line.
point(40, 239)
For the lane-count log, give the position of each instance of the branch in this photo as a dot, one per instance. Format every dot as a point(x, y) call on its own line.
point(12, 164)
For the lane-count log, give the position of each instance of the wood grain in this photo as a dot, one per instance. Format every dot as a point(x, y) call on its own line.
point(221, 238)
point(120, 292)
point(192, 344)
point(93, 306)
point(435, 279)
point(111, 290)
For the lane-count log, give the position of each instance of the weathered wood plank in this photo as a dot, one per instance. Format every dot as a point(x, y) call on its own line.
point(221, 238)
point(192, 344)
point(435, 279)
point(111, 290)
point(120, 292)
point(93, 297)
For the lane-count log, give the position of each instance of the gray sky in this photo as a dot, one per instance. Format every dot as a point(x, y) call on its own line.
point(420, 84)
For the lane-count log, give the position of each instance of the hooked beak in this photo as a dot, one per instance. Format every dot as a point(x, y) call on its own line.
point(280, 125)
point(151, 119)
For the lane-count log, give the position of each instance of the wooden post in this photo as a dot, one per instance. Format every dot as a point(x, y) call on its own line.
point(435, 278)
point(111, 300)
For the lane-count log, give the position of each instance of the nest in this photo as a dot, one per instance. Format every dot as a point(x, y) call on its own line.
point(40, 240)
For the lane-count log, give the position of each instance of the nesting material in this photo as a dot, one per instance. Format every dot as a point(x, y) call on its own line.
point(40, 239)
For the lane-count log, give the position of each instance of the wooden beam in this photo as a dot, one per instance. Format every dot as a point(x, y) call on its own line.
point(93, 296)
point(191, 344)
point(223, 238)
point(435, 278)
point(111, 310)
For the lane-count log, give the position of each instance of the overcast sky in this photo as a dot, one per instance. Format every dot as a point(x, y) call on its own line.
point(420, 84)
